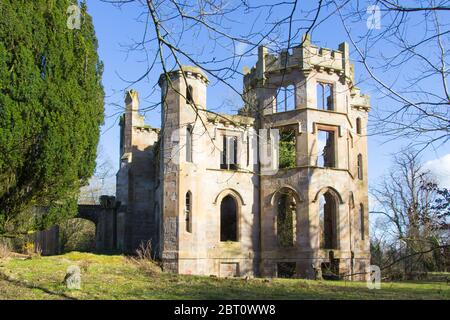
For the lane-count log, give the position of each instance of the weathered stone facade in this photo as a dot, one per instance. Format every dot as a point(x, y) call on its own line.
point(197, 187)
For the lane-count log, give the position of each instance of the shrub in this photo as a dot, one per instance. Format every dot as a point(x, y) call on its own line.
point(77, 235)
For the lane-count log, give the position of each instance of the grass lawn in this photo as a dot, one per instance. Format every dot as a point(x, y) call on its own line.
point(117, 277)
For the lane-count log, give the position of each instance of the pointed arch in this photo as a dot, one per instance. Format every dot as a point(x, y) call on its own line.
point(229, 191)
point(330, 189)
point(188, 211)
point(276, 194)
point(230, 204)
point(229, 217)
point(189, 140)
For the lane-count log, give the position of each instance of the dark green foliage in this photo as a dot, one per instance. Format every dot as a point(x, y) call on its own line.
point(285, 220)
point(287, 149)
point(51, 109)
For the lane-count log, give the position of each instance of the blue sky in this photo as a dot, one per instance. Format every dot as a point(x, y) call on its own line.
point(117, 28)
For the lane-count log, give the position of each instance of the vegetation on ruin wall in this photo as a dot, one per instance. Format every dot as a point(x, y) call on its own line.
point(287, 149)
point(116, 277)
point(51, 109)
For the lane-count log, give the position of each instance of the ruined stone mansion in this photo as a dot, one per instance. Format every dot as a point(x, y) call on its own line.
point(196, 188)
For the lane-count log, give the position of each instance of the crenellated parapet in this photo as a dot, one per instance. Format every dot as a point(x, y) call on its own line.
point(305, 57)
point(359, 100)
point(188, 72)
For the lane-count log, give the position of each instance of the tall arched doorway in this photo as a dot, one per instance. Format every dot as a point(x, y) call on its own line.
point(328, 221)
point(286, 218)
point(228, 219)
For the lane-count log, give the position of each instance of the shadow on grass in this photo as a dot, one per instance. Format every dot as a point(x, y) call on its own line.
point(206, 289)
point(31, 286)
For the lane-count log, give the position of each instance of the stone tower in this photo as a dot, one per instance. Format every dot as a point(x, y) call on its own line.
point(183, 98)
point(200, 192)
point(310, 96)
point(136, 217)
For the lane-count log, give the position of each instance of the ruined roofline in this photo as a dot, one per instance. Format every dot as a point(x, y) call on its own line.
point(132, 99)
point(189, 72)
point(230, 119)
point(147, 128)
point(304, 57)
point(132, 106)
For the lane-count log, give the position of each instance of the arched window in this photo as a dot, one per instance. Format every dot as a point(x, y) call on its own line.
point(328, 221)
point(360, 167)
point(228, 219)
point(189, 94)
point(286, 219)
point(189, 144)
point(361, 221)
point(188, 211)
point(358, 125)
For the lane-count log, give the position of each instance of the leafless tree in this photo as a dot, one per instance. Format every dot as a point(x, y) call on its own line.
point(405, 57)
point(173, 29)
point(404, 51)
point(101, 183)
point(405, 202)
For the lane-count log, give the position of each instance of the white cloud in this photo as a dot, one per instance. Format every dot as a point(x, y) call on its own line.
point(440, 168)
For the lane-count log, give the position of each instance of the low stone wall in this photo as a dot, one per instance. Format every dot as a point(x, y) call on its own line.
point(104, 216)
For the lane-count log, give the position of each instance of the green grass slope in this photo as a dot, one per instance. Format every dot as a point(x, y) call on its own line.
point(117, 277)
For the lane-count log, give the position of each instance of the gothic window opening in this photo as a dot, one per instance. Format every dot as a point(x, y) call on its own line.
point(286, 269)
point(325, 96)
point(285, 98)
point(360, 166)
point(189, 138)
point(326, 149)
point(286, 219)
point(361, 221)
point(188, 212)
point(330, 269)
point(287, 148)
point(328, 221)
point(228, 219)
point(189, 95)
point(229, 153)
point(358, 125)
